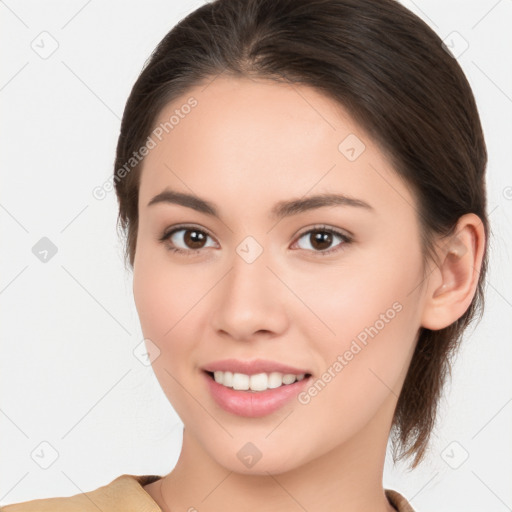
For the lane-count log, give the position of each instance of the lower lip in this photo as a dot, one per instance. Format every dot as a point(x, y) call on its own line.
point(253, 404)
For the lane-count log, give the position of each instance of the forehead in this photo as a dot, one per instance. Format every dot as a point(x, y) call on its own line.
point(253, 139)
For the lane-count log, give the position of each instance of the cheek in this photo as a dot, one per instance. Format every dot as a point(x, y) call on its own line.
point(350, 299)
point(364, 368)
point(163, 293)
point(170, 301)
point(165, 302)
point(372, 319)
point(154, 299)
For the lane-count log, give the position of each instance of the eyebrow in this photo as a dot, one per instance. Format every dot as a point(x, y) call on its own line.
point(280, 210)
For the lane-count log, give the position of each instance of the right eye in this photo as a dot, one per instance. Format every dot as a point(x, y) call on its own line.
point(186, 240)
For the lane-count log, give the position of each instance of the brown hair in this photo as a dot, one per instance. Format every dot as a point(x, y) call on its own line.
point(393, 75)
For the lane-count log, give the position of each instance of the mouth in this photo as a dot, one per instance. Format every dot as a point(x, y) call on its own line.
point(254, 403)
point(255, 383)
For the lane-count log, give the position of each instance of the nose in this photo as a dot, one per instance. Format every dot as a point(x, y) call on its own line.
point(249, 301)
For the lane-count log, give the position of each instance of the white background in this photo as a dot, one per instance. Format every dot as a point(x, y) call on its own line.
point(69, 326)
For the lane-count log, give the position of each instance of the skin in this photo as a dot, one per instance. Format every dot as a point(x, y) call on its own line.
point(247, 145)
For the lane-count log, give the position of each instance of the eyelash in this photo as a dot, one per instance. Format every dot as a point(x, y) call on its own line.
point(192, 252)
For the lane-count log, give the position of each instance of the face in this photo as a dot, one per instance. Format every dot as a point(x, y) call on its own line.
point(329, 289)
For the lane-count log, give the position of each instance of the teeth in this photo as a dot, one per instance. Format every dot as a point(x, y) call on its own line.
point(257, 382)
point(240, 381)
point(289, 378)
point(275, 379)
point(228, 379)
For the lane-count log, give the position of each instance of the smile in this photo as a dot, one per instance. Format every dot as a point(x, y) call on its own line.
point(254, 403)
point(256, 382)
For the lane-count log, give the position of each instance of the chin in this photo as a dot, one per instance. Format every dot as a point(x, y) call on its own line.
point(247, 459)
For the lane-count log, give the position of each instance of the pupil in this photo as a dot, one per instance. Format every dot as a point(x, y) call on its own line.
point(193, 238)
point(322, 237)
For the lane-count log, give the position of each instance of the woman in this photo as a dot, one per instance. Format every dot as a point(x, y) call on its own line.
point(302, 187)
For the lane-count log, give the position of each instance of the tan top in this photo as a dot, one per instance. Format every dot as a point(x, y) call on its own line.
point(126, 494)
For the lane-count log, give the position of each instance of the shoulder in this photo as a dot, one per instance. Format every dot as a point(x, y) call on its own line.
point(398, 501)
point(125, 493)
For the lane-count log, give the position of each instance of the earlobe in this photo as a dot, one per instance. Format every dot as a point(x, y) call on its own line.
point(452, 284)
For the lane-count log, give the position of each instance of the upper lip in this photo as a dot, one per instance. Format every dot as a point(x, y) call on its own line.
point(252, 367)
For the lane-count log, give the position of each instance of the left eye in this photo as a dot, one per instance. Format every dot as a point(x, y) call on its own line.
point(320, 238)
point(193, 240)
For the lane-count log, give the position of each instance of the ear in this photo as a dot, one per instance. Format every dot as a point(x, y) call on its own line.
point(453, 282)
